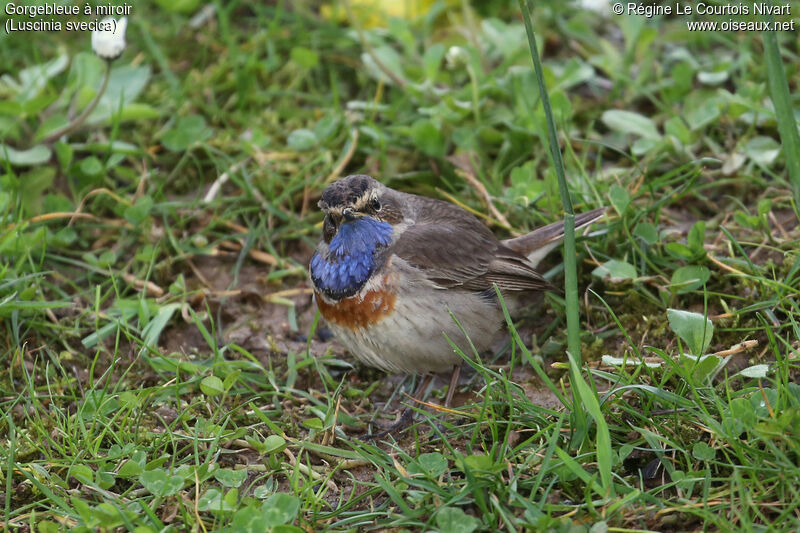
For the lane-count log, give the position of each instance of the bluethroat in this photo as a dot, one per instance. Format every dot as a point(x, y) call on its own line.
point(391, 265)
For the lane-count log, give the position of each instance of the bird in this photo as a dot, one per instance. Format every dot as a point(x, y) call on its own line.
point(391, 267)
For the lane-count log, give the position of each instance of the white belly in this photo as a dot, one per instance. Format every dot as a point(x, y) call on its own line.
point(412, 338)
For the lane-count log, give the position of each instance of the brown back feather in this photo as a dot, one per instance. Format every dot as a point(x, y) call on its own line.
point(455, 250)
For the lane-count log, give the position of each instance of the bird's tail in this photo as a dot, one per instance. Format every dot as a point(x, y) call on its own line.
point(538, 243)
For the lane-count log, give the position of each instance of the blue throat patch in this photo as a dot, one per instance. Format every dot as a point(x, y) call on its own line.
point(350, 260)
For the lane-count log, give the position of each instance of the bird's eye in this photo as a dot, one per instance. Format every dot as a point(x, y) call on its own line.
point(375, 204)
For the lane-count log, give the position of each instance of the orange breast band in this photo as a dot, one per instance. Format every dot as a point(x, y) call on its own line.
point(355, 312)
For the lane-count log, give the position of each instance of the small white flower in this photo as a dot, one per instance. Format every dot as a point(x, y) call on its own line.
point(601, 7)
point(108, 41)
point(456, 56)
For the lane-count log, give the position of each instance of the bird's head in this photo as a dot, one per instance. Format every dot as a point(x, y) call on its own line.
point(357, 198)
point(360, 219)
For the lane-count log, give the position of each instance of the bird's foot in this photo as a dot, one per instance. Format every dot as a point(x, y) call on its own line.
point(402, 423)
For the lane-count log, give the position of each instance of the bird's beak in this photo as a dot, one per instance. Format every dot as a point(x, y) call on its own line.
point(349, 214)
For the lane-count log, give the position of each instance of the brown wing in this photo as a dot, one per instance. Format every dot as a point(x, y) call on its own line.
point(454, 249)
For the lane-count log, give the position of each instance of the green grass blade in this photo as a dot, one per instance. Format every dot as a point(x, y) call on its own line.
point(784, 113)
point(603, 444)
point(570, 261)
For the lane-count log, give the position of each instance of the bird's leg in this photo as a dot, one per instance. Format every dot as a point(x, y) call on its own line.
point(453, 383)
point(448, 400)
point(406, 415)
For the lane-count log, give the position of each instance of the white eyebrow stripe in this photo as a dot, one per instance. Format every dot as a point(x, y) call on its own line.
point(360, 203)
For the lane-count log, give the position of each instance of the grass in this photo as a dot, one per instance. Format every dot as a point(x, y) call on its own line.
point(163, 367)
